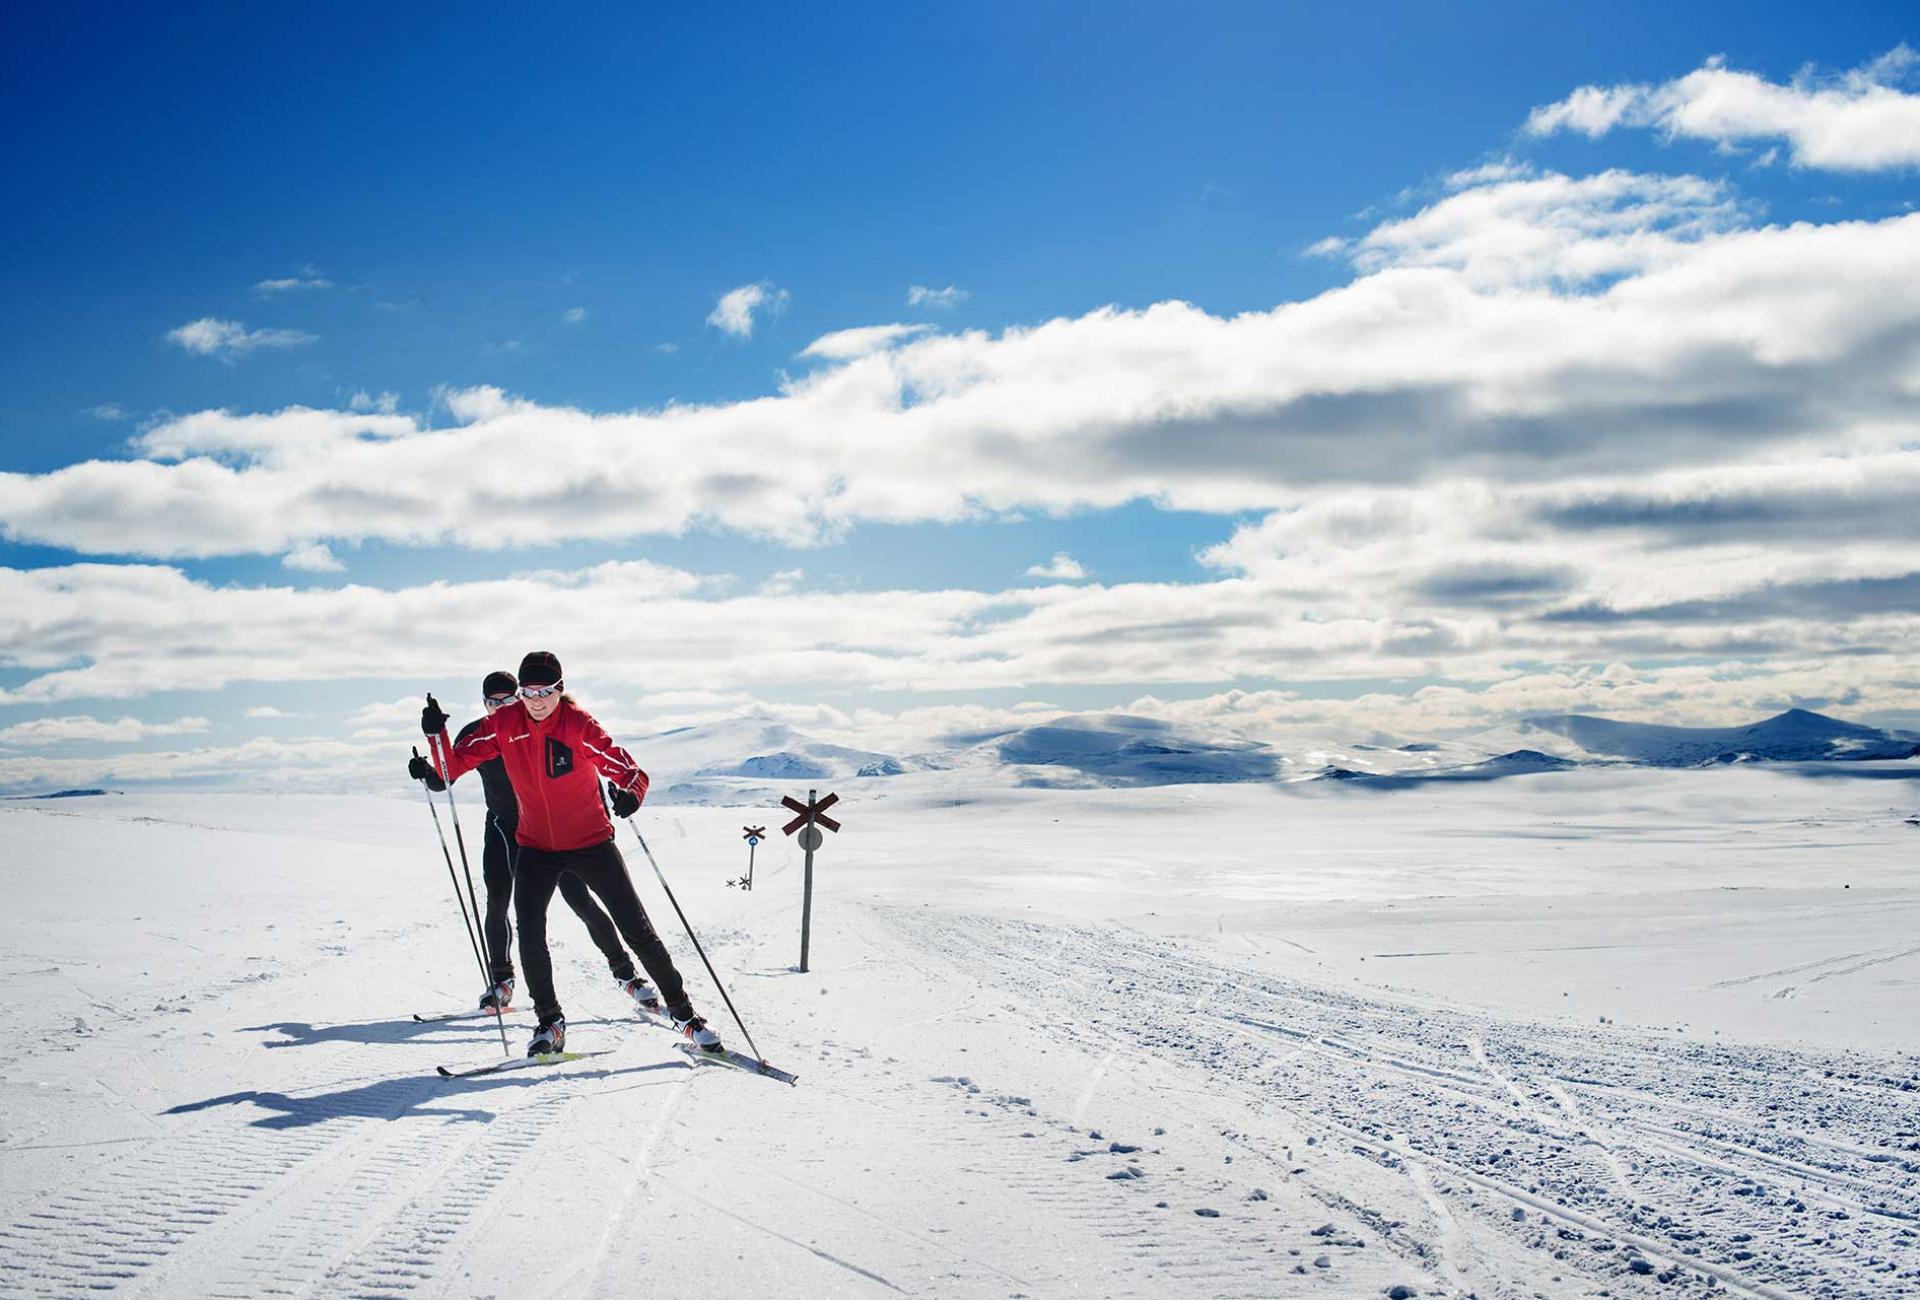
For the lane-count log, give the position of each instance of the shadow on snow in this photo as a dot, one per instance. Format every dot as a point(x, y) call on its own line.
point(400, 1098)
point(302, 1033)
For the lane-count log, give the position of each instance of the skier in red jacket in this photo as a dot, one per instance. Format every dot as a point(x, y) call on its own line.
point(554, 754)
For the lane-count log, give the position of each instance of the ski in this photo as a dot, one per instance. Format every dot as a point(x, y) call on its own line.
point(519, 1063)
point(733, 1060)
point(726, 1056)
point(434, 1018)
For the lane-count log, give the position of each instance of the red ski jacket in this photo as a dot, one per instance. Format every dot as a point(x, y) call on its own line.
point(552, 766)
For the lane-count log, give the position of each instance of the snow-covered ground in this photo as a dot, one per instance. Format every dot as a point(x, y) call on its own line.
point(1606, 1031)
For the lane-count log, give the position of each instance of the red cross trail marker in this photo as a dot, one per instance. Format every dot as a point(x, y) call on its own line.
point(812, 817)
point(810, 811)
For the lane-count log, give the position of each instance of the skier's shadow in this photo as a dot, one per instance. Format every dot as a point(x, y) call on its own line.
point(392, 1099)
point(302, 1033)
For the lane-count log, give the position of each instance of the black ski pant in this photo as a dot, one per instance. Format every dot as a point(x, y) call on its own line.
point(600, 868)
point(498, 864)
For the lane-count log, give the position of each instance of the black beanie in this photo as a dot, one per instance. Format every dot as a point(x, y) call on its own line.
point(540, 668)
point(498, 684)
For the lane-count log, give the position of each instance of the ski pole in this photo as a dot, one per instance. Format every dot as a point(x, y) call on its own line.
point(661, 877)
point(452, 879)
point(443, 760)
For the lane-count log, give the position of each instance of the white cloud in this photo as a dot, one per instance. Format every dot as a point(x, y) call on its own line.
point(268, 711)
point(574, 315)
point(1490, 173)
point(920, 295)
point(41, 732)
point(1500, 582)
point(850, 344)
point(782, 583)
point(734, 313)
point(230, 338)
point(1062, 566)
point(309, 277)
point(386, 403)
point(110, 411)
point(314, 557)
point(295, 434)
point(697, 699)
point(310, 764)
point(1858, 121)
point(1504, 229)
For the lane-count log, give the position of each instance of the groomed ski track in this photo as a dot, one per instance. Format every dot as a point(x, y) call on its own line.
point(989, 1107)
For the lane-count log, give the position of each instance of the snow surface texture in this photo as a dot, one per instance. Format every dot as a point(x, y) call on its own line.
point(1605, 1031)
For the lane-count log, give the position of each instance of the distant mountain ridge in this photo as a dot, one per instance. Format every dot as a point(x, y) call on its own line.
point(1796, 736)
point(1117, 749)
point(756, 757)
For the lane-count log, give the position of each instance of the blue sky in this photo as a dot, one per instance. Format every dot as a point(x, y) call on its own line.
point(494, 199)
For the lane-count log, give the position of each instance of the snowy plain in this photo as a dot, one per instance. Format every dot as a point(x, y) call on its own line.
point(1606, 1031)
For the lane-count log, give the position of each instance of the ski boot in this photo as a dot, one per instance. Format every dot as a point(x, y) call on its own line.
point(698, 1034)
point(499, 998)
point(550, 1038)
point(643, 996)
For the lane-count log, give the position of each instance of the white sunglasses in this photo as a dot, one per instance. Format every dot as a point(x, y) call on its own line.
point(541, 692)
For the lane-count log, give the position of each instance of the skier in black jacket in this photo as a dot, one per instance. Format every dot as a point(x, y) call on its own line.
point(502, 850)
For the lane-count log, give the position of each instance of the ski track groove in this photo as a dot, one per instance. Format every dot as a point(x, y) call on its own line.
point(1750, 1193)
point(1164, 1260)
point(321, 1195)
point(1834, 972)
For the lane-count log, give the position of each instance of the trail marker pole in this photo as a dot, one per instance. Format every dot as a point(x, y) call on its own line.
point(813, 815)
point(753, 837)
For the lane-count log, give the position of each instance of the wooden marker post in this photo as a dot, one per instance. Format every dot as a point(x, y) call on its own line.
point(813, 815)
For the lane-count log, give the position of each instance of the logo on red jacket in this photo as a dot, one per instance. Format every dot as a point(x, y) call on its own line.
point(559, 758)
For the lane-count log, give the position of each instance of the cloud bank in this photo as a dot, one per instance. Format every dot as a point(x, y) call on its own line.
point(1518, 330)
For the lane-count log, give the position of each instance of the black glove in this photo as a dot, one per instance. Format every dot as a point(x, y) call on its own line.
point(433, 718)
point(625, 802)
point(421, 770)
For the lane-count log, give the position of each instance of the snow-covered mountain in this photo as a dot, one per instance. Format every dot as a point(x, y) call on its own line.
point(1519, 762)
point(735, 758)
point(757, 757)
point(1558, 741)
point(1798, 735)
point(1117, 749)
